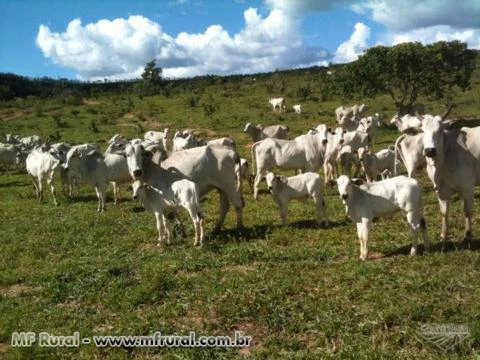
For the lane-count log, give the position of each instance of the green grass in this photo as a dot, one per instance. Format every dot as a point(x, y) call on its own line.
point(299, 291)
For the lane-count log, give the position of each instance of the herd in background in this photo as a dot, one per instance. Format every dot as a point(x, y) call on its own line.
point(191, 168)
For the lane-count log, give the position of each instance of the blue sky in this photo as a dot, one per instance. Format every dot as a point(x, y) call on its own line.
point(113, 39)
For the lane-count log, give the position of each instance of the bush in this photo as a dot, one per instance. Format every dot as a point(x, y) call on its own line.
point(93, 127)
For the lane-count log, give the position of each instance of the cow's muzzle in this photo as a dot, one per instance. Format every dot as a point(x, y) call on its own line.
point(137, 173)
point(430, 152)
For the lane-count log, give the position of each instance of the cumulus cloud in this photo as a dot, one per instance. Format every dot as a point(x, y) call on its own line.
point(119, 48)
point(350, 50)
point(303, 6)
point(438, 33)
point(412, 14)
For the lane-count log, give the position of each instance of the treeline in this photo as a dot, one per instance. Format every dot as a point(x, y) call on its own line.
point(15, 86)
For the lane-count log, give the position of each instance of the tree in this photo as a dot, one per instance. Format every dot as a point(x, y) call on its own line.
point(151, 73)
point(409, 70)
point(152, 77)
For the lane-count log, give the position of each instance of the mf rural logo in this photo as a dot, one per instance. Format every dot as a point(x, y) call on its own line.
point(445, 337)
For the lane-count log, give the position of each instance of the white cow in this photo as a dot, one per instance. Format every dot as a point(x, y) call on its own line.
point(41, 166)
point(348, 159)
point(348, 116)
point(410, 150)
point(182, 143)
point(453, 166)
point(302, 186)
point(9, 154)
point(375, 164)
point(305, 152)
point(356, 139)
point(158, 136)
point(98, 169)
point(332, 150)
point(277, 103)
point(369, 125)
point(70, 177)
point(211, 167)
point(242, 173)
point(30, 142)
point(260, 132)
point(297, 108)
point(224, 141)
point(384, 198)
point(407, 123)
point(182, 193)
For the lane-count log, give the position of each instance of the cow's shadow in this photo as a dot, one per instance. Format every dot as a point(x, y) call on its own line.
point(312, 224)
point(438, 247)
point(15, 183)
point(243, 234)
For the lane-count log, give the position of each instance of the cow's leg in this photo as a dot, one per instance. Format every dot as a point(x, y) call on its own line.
point(444, 227)
point(224, 206)
point(260, 175)
point(202, 229)
point(159, 223)
point(320, 210)
point(196, 224)
point(165, 226)
point(100, 190)
point(237, 201)
point(40, 188)
point(283, 208)
point(35, 186)
point(362, 230)
point(414, 225)
point(115, 189)
point(51, 182)
point(468, 211)
point(424, 232)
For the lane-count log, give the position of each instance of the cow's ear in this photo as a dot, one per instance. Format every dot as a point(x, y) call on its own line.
point(147, 154)
point(357, 181)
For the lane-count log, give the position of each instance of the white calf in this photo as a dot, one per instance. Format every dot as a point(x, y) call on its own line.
point(284, 189)
point(41, 165)
point(348, 159)
point(334, 144)
point(383, 198)
point(182, 193)
point(297, 108)
point(375, 164)
point(242, 173)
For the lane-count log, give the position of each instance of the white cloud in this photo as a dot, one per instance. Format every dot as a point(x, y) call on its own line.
point(118, 49)
point(438, 33)
point(350, 50)
point(412, 14)
point(304, 6)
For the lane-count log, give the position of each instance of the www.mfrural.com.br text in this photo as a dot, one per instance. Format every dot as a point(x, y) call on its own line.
point(45, 339)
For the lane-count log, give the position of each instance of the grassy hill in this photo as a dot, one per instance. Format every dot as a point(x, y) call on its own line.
point(299, 291)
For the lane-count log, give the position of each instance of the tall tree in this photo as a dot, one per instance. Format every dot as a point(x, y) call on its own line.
point(151, 73)
point(409, 70)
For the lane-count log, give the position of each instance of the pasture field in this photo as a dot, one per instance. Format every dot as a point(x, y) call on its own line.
point(299, 291)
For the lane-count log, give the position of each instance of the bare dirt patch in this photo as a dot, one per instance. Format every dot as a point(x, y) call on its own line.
point(256, 332)
point(243, 268)
point(15, 290)
point(91, 102)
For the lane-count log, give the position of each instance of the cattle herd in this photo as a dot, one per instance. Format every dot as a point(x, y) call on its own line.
point(180, 175)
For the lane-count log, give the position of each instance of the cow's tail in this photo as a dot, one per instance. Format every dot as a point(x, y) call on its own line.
point(398, 151)
point(253, 156)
